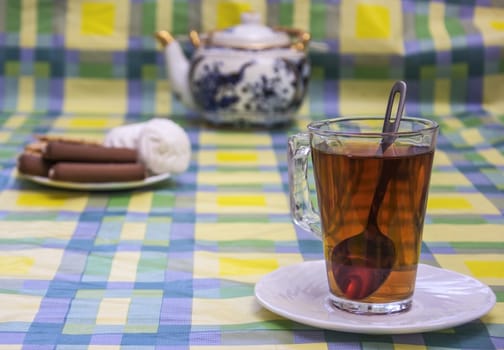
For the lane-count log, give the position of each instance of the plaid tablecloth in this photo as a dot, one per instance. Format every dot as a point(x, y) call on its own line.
point(173, 266)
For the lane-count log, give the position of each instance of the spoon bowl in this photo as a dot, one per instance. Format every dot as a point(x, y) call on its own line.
point(362, 263)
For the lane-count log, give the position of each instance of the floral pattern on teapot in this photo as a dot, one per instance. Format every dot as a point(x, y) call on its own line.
point(272, 87)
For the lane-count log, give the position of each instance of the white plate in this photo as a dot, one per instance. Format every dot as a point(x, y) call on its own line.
point(96, 186)
point(442, 299)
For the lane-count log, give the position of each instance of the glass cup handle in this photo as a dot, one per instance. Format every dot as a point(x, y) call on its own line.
point(301, 207)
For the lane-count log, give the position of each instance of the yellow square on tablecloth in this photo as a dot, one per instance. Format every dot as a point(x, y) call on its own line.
point(466, 203)
point(251, 200)
point(15, 265)
point(97, 18)
point(241, 202)
point(237, 157)
point(97, 24)
point(484, 267)
point(43, 201)
point(372, 22)
point(234, 139)
point(236, 266)
point(35, 264)
point(228, 12)
point(225, 13)
point(492, 268)
point(248, 267)
point(490, 21)
point(85, 126)
point(372, 26)
point(83, 122)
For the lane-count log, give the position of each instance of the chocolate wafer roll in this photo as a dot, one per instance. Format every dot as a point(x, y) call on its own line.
point(97, 172)
point(48, 138)
point(75, 152)
point(33, 164)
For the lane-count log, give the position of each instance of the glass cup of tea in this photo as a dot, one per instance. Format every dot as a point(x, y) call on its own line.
point(371, 189)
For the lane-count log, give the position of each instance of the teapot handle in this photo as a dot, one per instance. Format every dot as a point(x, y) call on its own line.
point(195, 38)
point(302, 37)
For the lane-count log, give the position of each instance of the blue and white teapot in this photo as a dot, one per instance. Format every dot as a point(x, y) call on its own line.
point(249, 73)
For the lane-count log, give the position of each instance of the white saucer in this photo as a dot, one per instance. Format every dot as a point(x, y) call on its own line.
point(442, 299)
point(96, 186)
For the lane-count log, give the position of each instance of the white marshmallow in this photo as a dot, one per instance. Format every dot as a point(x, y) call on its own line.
point(124, 136)
point(164, 147)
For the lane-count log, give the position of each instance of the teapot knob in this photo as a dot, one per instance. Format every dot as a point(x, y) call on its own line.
point(250, 18)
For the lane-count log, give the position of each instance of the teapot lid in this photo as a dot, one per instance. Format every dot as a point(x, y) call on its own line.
point(250, 34)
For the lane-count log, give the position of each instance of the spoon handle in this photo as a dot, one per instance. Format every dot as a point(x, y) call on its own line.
point(389, 128)
point(400, 88)
point(386, 173)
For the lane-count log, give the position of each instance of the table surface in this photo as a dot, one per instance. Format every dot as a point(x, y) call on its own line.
point(174, 265)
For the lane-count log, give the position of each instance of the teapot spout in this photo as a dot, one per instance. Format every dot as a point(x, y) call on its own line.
point(177, 68)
